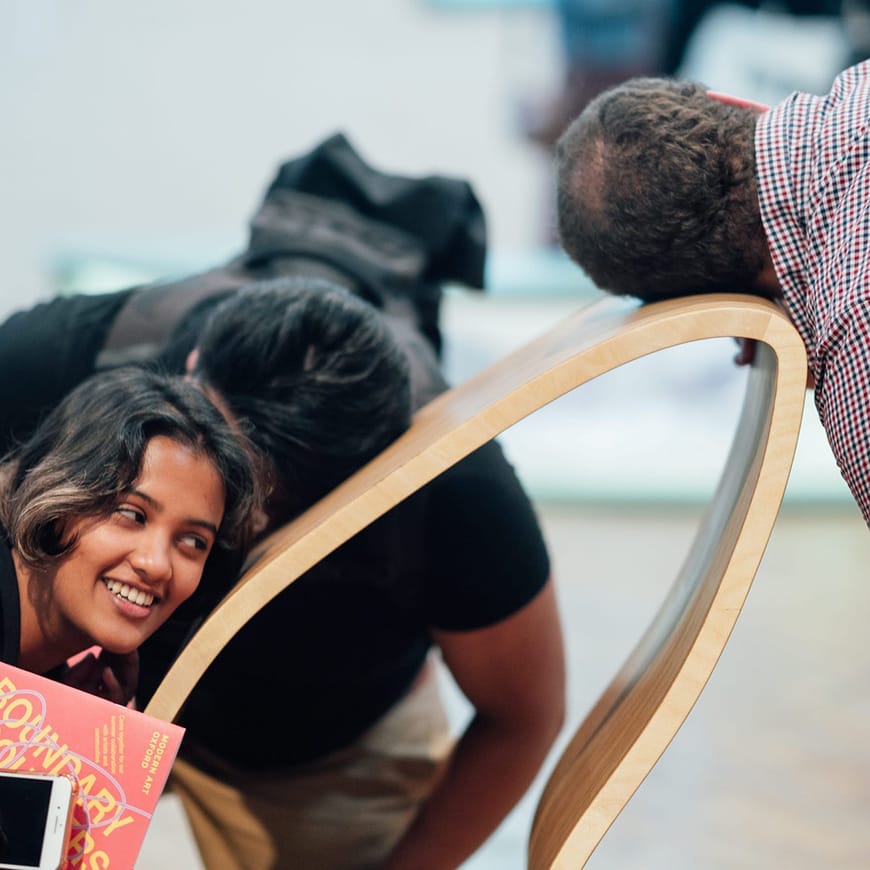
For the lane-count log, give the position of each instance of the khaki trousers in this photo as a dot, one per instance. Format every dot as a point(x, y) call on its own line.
point(343, 812)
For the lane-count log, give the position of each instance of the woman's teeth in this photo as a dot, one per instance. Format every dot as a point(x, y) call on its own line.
point(137, 596)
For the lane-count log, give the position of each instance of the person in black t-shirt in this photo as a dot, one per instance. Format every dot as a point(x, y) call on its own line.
point(339, 661)
point(352, 768)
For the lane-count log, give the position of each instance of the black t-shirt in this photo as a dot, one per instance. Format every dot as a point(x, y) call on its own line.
point(341, 645)
point(10, 605)
point(336, 649)
point(45, 352)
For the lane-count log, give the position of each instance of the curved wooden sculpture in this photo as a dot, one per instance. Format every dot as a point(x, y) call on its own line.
point(644, 706)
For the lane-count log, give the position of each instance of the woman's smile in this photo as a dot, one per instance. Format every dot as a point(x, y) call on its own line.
point(130, 594)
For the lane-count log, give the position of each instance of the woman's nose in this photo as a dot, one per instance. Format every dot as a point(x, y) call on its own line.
point(151, 558)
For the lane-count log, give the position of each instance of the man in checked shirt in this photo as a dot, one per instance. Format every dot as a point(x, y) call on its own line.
point(666, 189)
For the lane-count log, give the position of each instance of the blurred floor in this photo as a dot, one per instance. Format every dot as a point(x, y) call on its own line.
point(169, 843)
point(772, 768)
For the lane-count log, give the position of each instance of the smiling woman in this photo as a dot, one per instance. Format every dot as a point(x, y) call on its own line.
point(109, 513)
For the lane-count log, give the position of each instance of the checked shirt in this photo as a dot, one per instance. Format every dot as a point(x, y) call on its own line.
point(813, 169)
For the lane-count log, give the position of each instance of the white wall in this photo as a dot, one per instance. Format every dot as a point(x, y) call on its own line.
point(156, 126)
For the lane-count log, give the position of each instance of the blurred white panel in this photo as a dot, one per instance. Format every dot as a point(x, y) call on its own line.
point(655, 430)
point(765, 54)
point(146, 124)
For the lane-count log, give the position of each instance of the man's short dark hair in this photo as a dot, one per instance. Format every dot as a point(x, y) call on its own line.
point(313, 375)
point(657, 193)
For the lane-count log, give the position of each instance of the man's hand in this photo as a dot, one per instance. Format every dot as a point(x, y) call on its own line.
point(745, 351)
point(746, 355)
point(107, 675)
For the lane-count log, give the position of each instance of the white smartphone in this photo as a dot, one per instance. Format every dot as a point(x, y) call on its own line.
point(35, 817)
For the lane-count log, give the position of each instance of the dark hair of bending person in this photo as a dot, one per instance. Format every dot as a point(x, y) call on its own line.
point(314, 376)
point(657, 193)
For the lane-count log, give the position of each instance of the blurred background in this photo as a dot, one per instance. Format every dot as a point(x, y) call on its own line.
point(139, 138)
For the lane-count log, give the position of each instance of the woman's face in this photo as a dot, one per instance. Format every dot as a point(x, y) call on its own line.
point(129, 571)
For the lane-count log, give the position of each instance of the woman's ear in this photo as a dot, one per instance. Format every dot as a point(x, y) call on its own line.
point(191, 361)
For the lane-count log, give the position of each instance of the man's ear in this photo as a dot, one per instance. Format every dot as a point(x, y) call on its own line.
point(191, 361)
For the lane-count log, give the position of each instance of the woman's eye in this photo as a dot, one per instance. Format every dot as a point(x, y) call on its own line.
point(196, 541)
point(130, 513)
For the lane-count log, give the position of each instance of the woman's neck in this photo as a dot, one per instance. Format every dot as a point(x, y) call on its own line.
point(40, 649)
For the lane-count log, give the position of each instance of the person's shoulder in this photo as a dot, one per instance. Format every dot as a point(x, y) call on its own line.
point(59, 307)
point(846, 101)
point(59, 330)
point(487, 465)
point(852, 77)
point(484, 548)
point(481, 497)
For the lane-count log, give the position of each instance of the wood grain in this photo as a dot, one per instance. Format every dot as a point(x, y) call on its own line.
point(644, 706)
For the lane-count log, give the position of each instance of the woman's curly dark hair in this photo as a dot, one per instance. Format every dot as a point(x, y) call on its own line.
point(89, 451)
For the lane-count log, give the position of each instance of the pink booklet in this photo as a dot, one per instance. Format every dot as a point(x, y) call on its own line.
point(119, 758)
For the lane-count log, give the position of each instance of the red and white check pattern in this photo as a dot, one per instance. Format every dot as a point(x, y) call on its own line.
point(813, 167)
